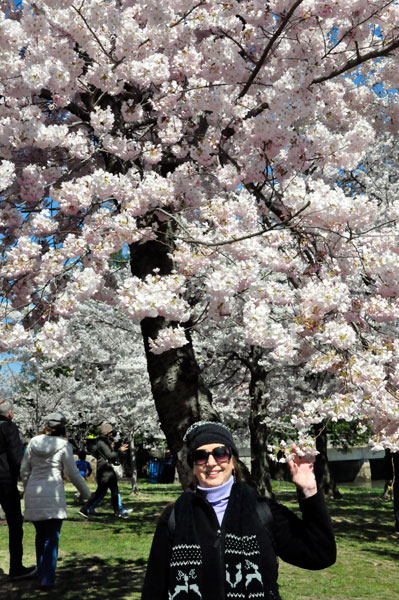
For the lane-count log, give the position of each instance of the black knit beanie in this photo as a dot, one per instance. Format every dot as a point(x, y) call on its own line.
point(207, 432)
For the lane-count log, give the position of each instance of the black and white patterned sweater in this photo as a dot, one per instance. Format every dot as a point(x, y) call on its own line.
point(307, 543)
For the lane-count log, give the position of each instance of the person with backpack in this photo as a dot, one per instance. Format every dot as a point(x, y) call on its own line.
point(106, 456)
point(11, 454)
point(221, 540)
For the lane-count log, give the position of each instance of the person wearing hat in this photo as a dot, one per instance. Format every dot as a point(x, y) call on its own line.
point(106, 477)
point(47, 457)
point(221, 541)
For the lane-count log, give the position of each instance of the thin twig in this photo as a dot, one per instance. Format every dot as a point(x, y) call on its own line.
point(93, 33)
point(186, 14)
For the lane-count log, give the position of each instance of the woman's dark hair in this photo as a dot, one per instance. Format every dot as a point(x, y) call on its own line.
point(60, 430)
point(238, 473)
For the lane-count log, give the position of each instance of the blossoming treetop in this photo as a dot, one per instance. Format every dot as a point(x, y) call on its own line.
point(203, 139)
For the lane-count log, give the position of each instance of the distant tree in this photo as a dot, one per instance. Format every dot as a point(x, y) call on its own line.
point(102, 378)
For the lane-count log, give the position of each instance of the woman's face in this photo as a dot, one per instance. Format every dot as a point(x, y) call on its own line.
point(213, 473)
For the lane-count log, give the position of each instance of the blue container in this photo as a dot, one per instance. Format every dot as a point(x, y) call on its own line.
point(156, 468)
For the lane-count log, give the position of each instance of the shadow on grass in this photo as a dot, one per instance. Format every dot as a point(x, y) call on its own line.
point(90, 579)
point(141, 522)
point(146, 509)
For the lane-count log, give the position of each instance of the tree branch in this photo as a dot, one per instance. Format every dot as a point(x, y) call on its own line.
point(187, 13)
point(232, 240)
point(269, 46)
point(354, 62)
point(93, 33)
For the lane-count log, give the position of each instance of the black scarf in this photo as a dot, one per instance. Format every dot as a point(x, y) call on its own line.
point(243, 580)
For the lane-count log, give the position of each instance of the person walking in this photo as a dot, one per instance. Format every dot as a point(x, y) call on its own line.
point(47, 457)
point(106, 477)
point(11, 454)
point(222, 541)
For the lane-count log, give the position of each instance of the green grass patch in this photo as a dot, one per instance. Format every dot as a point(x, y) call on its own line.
point(104, 558)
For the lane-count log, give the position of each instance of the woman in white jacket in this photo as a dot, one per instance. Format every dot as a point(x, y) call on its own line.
point(47, 457)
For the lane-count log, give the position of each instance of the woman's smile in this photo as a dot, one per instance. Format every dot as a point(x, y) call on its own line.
point(213, 473)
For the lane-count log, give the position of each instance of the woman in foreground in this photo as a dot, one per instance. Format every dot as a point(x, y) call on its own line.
point(222, 541)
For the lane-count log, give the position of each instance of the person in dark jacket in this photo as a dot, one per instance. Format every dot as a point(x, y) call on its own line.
point(222, 541)
point(106, 477)
point(11, 454)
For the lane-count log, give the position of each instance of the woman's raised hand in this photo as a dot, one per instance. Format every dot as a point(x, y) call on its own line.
point(302, 473)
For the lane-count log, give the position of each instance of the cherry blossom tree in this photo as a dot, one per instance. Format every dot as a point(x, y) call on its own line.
point(204, 141)
point(40, 387)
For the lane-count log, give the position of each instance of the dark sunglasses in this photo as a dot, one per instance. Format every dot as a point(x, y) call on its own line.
point(220, 454)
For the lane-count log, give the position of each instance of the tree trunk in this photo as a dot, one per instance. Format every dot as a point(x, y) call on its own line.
point(324, 477)
point(180, 395)
point(179, 392)
point(259, 432)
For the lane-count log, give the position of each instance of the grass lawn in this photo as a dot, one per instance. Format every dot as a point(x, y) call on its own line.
point(104, 558)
